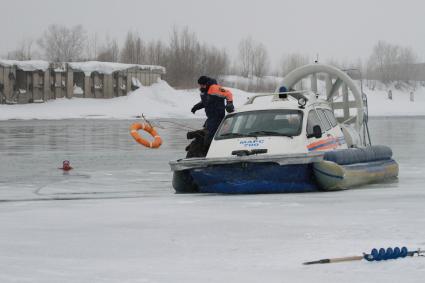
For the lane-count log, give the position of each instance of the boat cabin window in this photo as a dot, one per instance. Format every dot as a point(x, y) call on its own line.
point(331, 117)
point(312, 120)
point(326, 124)
point(261, 123)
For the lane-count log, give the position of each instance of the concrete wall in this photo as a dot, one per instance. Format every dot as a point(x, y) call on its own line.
point(47, 93)
point(2, 95)
point(38, 86)
point(59, 84)
point(18, 86)
point(97, 85)
point(87, 87)
point(7, 81)
point(108, 89)
point(2, 90)
point(69, 85)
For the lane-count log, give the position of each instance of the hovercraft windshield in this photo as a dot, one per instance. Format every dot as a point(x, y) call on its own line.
point(280, 122)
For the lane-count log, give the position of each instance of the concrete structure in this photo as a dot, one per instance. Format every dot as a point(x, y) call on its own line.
point(23, 81)
point(58, 82)
point(107, 80)
point(38, 81)
point(7, 83)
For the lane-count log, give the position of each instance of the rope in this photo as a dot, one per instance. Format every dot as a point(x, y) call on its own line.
point(176, 125)
point(158, 124)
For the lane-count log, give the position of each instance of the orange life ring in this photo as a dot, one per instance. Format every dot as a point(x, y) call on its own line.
point(148, 128)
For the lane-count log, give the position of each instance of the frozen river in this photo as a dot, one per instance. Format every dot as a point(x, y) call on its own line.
point(115, 217)
point(108, 162)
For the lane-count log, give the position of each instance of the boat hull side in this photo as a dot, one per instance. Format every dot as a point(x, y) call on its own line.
point(254, 178)
point(332, 176)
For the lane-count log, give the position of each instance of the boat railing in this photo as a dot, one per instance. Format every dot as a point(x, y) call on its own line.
point(294, 94)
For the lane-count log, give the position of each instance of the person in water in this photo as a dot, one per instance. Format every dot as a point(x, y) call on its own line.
point(66, 165)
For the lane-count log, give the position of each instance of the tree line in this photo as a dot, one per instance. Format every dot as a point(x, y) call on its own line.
point(186, 57)
point(393, 63)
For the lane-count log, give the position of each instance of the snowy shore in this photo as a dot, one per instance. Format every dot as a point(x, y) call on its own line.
point(162, 101)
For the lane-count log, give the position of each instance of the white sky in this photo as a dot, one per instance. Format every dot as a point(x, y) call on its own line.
point(340, 29)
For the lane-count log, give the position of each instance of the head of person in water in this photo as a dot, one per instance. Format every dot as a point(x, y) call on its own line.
point(66, 165)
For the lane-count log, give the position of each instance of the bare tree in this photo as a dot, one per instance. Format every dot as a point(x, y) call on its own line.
point(383, 60)
point(246, 56)
point(406, 61)
point(183, 55)
point(62, 44)
point(109, 52)
point(92, 47)
point(253, 58)
point(129, 49)
point(23, 51)
point(376, 63)
point(115, 51)
point(213, 62)
point(140, 50)
point(134, 50)
point(292, 61)
point(156, 53)
point(389, 62)
point(260, 61)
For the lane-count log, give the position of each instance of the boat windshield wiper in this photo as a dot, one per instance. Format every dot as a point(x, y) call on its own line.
point(268, 133)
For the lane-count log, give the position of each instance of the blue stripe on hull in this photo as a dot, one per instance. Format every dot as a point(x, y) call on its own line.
point(252, 178)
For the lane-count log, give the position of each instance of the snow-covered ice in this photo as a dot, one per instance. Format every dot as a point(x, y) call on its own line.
point(115, 218)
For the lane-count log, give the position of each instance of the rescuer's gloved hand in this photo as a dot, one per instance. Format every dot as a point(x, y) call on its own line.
point(193, 110)
point(229, 107)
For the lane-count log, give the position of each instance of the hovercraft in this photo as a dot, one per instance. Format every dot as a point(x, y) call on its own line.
point(291, 141)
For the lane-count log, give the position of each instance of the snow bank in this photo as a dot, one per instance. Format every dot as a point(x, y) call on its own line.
point(157, 101)
point(162, 101)
point(400, 105)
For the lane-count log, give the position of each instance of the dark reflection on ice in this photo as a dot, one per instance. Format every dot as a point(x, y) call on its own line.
point(109, 163)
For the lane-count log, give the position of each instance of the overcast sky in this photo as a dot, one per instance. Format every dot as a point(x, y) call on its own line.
point(340, 29)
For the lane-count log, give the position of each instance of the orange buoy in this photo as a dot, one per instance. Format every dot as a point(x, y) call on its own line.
point(148, 128)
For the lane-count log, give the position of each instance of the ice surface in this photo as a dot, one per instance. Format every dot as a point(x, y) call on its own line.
point(119, 220)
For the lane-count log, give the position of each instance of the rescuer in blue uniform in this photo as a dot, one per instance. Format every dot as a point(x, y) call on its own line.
point(213, 98)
